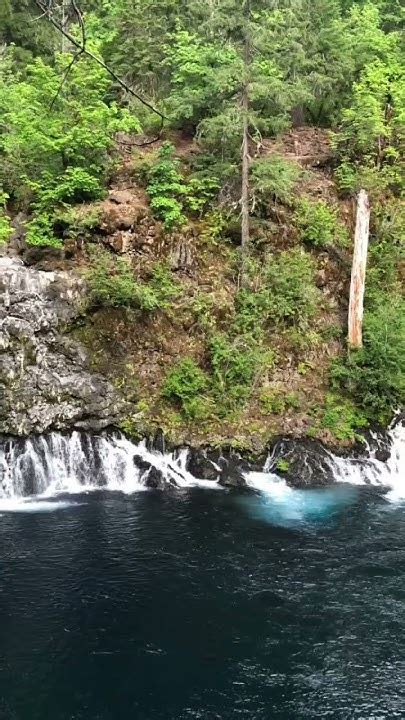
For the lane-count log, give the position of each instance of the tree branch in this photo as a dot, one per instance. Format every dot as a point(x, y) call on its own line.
point(45, 6)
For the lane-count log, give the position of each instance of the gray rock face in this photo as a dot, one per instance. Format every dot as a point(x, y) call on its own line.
point(45, 381)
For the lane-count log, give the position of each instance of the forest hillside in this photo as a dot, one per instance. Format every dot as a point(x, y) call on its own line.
point(198, 163)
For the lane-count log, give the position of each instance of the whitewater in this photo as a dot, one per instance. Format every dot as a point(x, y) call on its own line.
point(36, 471)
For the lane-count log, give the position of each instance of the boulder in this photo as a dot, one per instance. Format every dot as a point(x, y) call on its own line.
point(232, 471)
point(302, 463)
point(201, 467)
point(155, 479)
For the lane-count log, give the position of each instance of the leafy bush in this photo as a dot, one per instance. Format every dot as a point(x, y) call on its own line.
point(5, 225)
point(235, 363)
point(164, 285)
point(368, 131)
point(287, 295)
point(282, 465)
point(112, 284)
point(377, 181)
point(171, 194)
point(374, 376)
point(200, 192)
point(275, 402)
point(79, 221)
point(40, 231)
point(184, 385)
point(166, 189)
point(386, 252)
point(57, 140)
point(274, 180)
point(318, 224)
point(291, 294)
point(73, 186)
point(342, 418)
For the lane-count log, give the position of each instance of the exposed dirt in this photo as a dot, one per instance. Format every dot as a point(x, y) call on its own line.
point(137, 352)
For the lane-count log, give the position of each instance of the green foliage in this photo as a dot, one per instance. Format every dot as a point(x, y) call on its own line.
point(374, 376)
point(56, 141)
point(386, 253)
point(171, 194)
point(274, 180)
point(286, 296)
point(185, 385)
point(275, 402)
point(235, 363)
point(5, 225)
point(164, 285)
point(40, 232)
point(216, 226)
point(282, 465)
point(318, 224)
point(200, 192)
point(377, 181)
point(166, 188)
point(79, 221)
point(292, 296)
point(112, 284)
point(342, 418)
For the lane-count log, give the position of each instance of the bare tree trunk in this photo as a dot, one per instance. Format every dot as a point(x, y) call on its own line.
point(358, 282)
point(245, 199)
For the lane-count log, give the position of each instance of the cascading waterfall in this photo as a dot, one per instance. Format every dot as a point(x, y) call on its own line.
point(49, 465)
point(365, 470)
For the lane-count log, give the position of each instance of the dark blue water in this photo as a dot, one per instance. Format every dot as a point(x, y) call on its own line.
point(203, 604)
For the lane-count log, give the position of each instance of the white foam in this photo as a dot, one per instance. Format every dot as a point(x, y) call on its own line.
point(351, 470)
point(389, 474)
point(47, 466)
point(28, 505)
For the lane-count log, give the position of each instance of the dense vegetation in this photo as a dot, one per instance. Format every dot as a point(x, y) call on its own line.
point(223, 75)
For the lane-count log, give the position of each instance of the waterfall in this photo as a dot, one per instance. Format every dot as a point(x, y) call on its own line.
point(364, 470)
point(49, 465)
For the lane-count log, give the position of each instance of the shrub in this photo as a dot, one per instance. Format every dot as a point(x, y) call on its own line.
point(199, 193)
point(58, 140)
point(251, 312)
point(377, 181)
point(76, 222)
point(274, 180)
point(166, 188)
point(342, 418)
point(375, 375)
point(235, 363)
point(40, 232)
point(112, 284)
point(171, 194)
point(275, 402)
point(184, 385)
point(5, 225)
point(291, 295)
point(318, 224)
point(164, 285)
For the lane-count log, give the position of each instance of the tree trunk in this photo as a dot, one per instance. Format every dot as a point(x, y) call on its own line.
point(358, 281)
point(64, 11)
point(245, 199)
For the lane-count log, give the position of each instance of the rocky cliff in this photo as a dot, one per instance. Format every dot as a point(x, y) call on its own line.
point(45, 381)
